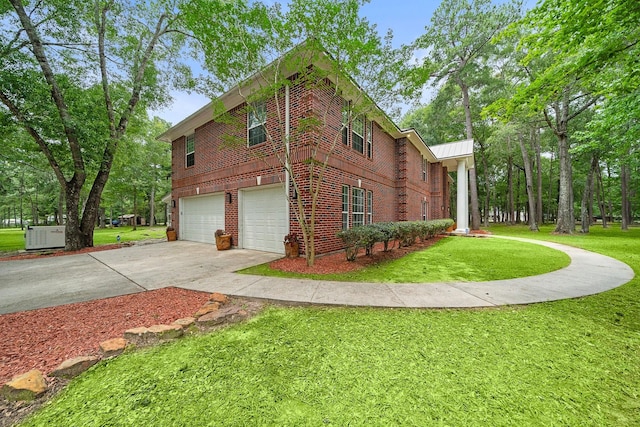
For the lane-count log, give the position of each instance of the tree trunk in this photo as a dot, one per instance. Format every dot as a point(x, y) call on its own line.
point(528, 173)
point(587, 198)
point(600, 197)
point(510, 206)
point(152, 206)
point(487, 185)
point(625, 209)
point(536, 148)
point(566, 220)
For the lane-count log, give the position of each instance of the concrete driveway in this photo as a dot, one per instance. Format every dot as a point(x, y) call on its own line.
point(47, 282)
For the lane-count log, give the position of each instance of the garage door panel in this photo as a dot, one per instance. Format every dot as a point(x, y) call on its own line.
point(200, 217)
point(264, 219)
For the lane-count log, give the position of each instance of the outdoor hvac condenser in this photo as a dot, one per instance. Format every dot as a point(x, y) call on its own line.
point(44, 237)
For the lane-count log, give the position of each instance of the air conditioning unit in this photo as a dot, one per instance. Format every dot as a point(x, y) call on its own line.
point(44, 237)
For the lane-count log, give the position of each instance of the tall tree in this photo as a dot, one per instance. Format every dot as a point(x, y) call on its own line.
point(578, 48)
point(279, 50)
point(73, 73)
point(458, 47)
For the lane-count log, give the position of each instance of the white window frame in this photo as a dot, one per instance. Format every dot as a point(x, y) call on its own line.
point(425, 210)
point(369, 130)
point(369, 207)
point(256, 118)
point(190, 140)
point(425, 169)
point(357, 131)
point(345, 122)
point(357, 206)
point(345, 207)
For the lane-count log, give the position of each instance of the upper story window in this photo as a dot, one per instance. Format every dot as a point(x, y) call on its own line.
point(425, 169)
point(357, 137)
point(369, 138)
point(190, 150)
point(256, 120)
point(345, 123)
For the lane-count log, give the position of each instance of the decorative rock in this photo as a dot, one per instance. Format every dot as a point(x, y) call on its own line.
point(207, 308)
point(27, 386)
point(153, 335)
point(166, 332)
point(229, 314)
point(218, 297)
point(185, 322)
point(138, 336)
point(72, 367)
point(113, 347)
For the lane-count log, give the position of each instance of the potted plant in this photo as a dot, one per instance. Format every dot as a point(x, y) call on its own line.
point(172, 234)
point(223, 240)
point(291, 245)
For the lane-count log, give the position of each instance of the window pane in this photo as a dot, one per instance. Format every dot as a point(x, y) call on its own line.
point(358, 134)
point(369, 138)
point(190, 149)
point(256, 119)
point(345, 207)
point(358, 206)
point(369, 207)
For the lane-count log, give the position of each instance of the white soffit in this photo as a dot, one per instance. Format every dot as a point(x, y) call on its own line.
point(451, 152)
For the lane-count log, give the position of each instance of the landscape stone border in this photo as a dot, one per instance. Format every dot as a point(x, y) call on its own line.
point(217, 311)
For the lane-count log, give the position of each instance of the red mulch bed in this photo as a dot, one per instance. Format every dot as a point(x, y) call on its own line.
point(337, 262)
point(42, 339)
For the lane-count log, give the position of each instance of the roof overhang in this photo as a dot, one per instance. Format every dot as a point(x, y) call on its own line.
point(453, 152)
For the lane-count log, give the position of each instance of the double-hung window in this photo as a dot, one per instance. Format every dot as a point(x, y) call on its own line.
point(369, 207)
point(345, 207)
point(256, 119)
point(425, 169)
point(425, 210)
point(369, 138)
point(357, 134)
point(190, 150)
point(357, 206)
point(345, 122)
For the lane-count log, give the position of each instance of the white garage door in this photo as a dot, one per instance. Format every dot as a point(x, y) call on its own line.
point(264, 219)
point(200, 217)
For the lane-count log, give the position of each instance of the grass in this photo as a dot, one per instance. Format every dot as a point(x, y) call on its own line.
point(449, 260)
point(12, 239)
point(571, 362)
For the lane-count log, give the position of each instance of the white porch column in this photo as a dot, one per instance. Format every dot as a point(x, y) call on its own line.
point(462, 206)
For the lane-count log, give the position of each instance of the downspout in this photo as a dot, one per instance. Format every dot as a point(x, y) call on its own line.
point(287, 178)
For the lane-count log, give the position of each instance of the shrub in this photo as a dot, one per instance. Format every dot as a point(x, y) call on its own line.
point(406, 232)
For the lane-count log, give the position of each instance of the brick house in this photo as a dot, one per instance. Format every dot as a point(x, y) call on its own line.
point(375, 171)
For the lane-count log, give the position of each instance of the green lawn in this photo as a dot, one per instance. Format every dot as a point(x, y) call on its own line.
point(573, 362)
point(12, 239)
point(450, 260)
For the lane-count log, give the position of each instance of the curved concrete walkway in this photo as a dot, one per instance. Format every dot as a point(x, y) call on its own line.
point(589, 273)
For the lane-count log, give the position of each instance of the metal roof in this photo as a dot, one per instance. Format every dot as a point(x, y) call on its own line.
point(451, 152)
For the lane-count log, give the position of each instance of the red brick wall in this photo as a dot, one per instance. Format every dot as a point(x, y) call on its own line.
point(223, 163)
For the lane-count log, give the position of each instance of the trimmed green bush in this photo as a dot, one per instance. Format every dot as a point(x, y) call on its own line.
point(405, 232)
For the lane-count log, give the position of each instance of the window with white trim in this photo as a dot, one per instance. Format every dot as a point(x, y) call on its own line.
point(369, 138)
point(345, 207)
point(425, 169)
point(357, 134)
point(345, 122)
point(256, 120)
point(369, 207)
point(190, 150)
point(425, 210)
point(357, 207)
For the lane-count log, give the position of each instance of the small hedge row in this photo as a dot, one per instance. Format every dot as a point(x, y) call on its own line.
point(405, 232)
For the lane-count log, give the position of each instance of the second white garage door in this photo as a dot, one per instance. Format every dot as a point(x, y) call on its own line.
point(200, 217)
point(264, 219)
